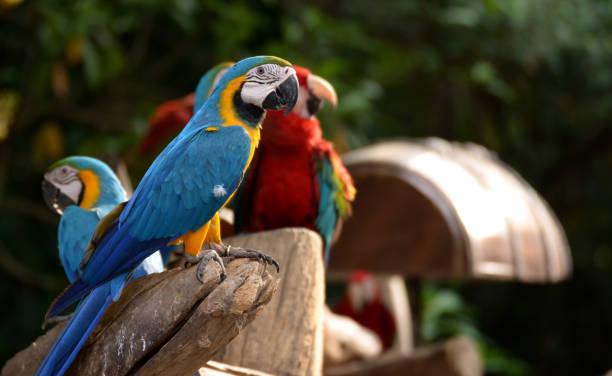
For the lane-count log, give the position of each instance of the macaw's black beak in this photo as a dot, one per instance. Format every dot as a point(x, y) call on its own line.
point(285, 95)
point(55, 199)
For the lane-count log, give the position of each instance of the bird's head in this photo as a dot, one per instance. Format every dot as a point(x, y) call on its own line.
point(362, 289)
point(83, 181)
point(313, 91)
point(252, 86)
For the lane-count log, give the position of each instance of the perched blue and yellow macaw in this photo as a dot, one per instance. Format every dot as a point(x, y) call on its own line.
point(296, 178)
point(83, 190)
point(178, 198)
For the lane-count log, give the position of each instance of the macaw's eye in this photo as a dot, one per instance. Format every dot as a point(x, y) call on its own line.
point(260, 70)
point(64, 170)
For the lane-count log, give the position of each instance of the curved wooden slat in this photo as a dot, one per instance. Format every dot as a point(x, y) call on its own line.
point(439, 209)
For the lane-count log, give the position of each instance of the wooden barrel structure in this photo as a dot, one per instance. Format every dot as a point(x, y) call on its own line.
point(432, 208)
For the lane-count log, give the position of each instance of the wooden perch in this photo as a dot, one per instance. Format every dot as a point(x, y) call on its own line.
point(164, 324)
point(287, 338)
point(455, 357)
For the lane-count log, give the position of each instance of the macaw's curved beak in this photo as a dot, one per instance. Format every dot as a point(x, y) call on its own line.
point(322, 89)
point(285, 95)
point(54, 198)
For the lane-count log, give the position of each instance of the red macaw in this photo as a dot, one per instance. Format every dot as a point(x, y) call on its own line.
point(296, 178)
point(168, 119)
point(362, 303)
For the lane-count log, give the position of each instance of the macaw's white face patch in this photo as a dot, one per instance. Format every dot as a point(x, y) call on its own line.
point(66, 179)
point(262, 80)
point(219, 191)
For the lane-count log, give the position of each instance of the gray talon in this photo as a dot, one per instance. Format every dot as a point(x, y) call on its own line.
point(202, 260)
point(235, 253)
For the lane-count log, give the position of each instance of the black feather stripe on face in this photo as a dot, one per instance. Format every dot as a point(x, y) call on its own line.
point(82, 192)
point(249, 113)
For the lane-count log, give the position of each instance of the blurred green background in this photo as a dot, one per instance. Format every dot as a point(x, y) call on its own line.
point(531, 80)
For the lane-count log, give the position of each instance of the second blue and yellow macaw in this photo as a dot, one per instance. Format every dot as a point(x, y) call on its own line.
point(83, 190)
point(193, 177)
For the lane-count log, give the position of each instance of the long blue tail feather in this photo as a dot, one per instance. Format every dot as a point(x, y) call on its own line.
point(76, 332)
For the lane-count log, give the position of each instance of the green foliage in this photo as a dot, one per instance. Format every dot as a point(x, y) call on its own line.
point(528, 79)
point(446, 314)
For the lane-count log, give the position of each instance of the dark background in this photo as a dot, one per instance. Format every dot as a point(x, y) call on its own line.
point(530, 80)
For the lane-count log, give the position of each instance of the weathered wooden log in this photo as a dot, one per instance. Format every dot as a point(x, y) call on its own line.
point(215, 322)
point(455, 357)
point(287, 338)
point(164, 316)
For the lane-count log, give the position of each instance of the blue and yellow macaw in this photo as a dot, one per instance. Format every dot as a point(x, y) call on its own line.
point(296, 178)
point(179, 196)
point(83, 190)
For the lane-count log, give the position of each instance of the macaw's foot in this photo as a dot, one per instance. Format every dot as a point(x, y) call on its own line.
point(232, 253)
point(202, 260)
point(56, 319)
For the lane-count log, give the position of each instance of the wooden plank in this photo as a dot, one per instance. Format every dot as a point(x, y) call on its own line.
point(408, 229)
point(287, 338)
point(455, 357)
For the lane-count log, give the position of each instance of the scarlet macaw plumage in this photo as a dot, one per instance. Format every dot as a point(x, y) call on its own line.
point(363, 303)
point(168, 119)
point(296, 178)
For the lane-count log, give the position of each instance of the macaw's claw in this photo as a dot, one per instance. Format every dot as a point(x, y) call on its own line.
point(232, 253)
point(55, 320)
point(202, 260)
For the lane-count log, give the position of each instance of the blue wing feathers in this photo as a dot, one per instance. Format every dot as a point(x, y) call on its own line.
point(77, 290)
point(200, 159)
point(327, 218)
point(144, 224)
